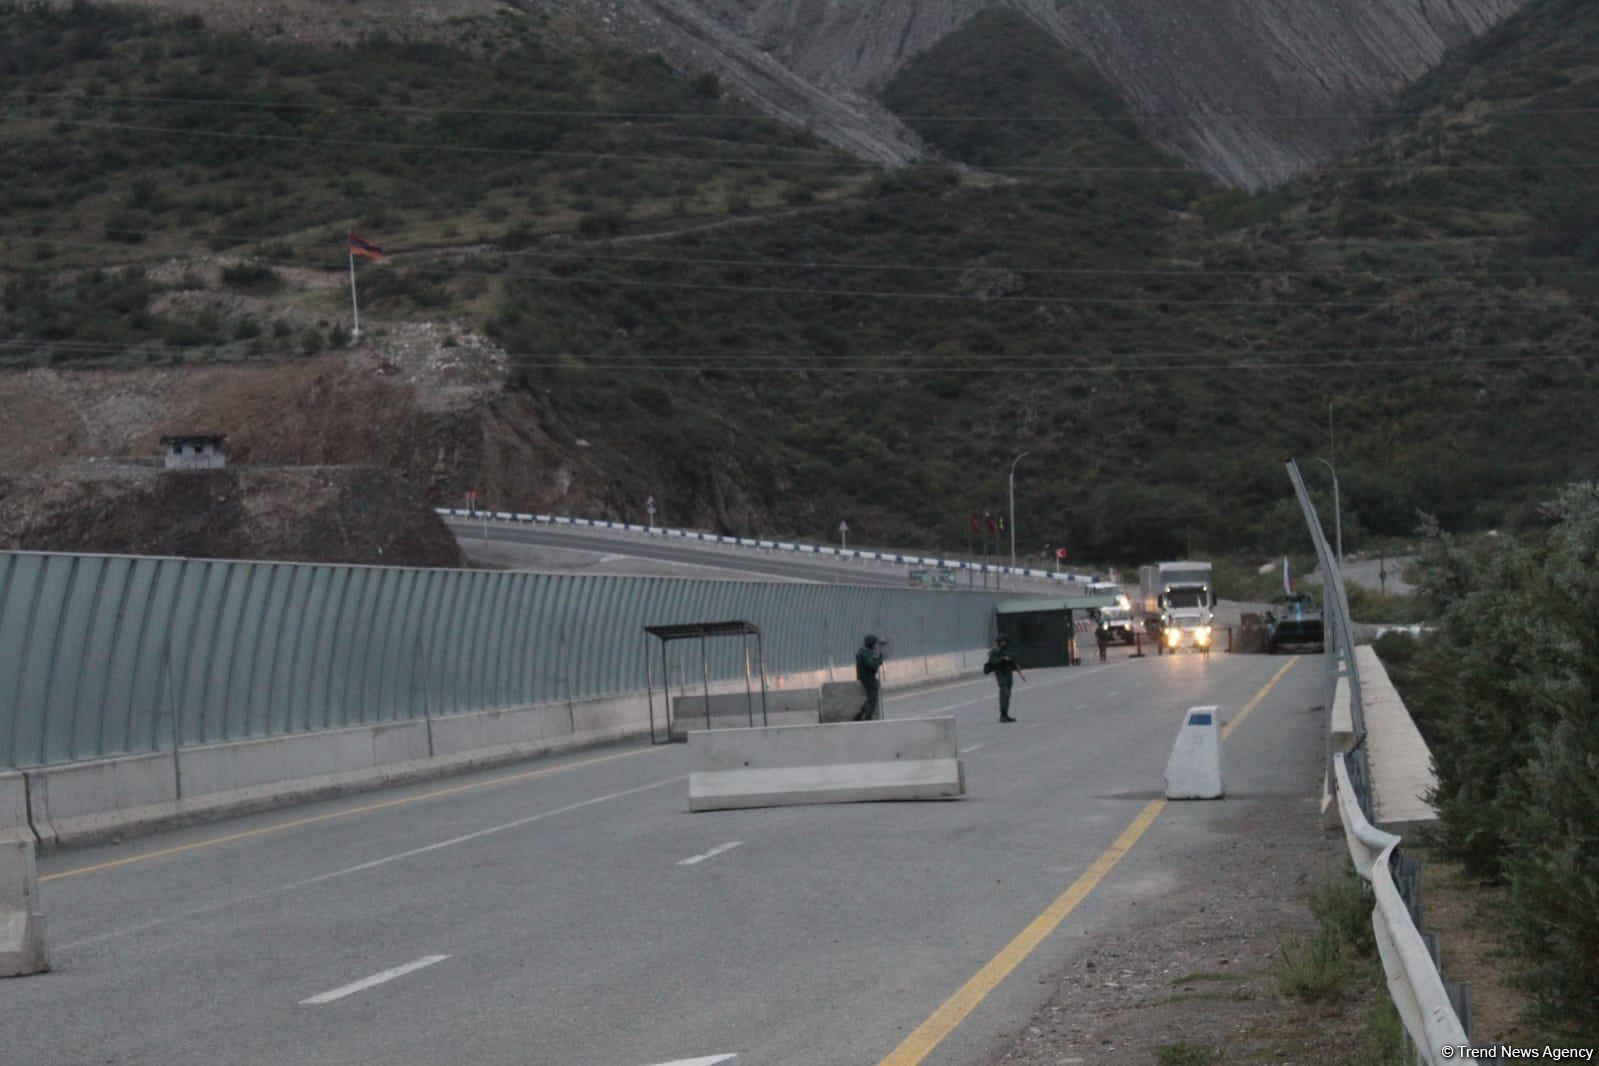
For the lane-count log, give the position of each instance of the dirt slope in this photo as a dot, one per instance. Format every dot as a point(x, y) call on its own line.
point(321, 514)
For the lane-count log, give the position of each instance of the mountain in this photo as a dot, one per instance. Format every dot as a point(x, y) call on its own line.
point(608, 279)
point(1251, 92)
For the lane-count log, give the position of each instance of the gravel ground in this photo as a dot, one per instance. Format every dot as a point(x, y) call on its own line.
point(1186, 978)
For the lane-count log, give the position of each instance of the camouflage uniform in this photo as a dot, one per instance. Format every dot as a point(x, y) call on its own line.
point(1003, 667)
point(867, 662)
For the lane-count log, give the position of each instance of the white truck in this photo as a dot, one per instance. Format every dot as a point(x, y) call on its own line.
point(1117, 620)
point(1178, 601)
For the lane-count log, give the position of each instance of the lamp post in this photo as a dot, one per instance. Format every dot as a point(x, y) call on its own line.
point(1338, 514)
point(1013, 463)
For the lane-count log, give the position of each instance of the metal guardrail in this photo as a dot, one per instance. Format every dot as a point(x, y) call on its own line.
point(827, 550)
point(1418, 990)
point(1429, 1007)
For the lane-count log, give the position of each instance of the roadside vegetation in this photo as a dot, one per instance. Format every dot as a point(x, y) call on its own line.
point(1338, 964)
point(1506, 692)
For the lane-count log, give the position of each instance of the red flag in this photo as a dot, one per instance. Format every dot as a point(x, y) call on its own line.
point(365, 248)
point(991, 527)
point(975, 527)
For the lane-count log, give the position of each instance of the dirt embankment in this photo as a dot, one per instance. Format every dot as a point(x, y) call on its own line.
point(321, 514)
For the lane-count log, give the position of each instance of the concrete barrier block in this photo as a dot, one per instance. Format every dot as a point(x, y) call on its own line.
point(737, 705)
point(244, 764)
point(847, 783)
point(95, 799)
point(457, 734)
point(1194, 769)
point(900, 759)
point(841, 701)
point(1402, 774)
point(597, 721)
point(22, 949)
point(14, 808)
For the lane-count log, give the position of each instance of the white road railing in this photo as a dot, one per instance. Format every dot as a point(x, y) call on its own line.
point(826, 550)
point(1414, 983)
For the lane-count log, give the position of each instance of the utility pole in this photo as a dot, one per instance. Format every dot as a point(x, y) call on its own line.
point(1013, 463)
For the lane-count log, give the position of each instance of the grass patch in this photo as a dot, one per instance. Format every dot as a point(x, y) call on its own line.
point(1342, 906)
point(1184, 1053)
point(1313, 969)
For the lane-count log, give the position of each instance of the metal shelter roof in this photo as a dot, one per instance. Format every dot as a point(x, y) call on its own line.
point(688, 630)
point(1045, 604)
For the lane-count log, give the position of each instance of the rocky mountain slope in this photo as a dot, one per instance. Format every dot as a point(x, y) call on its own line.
point(1249, 92)
point(1252, 92)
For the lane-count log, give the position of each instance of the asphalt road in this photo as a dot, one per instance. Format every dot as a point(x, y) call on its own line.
point(572, 912)
point(748, 561)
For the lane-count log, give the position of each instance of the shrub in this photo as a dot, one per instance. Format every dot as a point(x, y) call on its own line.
point(250, 276)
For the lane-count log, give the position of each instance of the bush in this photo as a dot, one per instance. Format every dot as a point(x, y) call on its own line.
point(1395, 648)
point(250, 276)
point(1507, 690)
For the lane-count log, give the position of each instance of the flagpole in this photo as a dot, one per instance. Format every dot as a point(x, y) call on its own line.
point(355, 308)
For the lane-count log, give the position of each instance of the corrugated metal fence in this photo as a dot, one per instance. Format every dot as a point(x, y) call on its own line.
point(107, 655)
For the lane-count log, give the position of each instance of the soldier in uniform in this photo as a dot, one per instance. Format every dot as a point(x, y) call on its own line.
point(1002, 666)
point(867, 662)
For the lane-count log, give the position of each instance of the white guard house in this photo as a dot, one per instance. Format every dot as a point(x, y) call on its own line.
point(195, 451)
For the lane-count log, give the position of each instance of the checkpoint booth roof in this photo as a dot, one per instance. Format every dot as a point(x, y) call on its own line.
point(1040, 627)
point(703, 632)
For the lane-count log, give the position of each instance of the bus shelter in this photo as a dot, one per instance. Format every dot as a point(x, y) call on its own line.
point(703, 632)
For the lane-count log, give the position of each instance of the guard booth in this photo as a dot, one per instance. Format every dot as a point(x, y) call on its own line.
point(703, 632)
point(1041, 629)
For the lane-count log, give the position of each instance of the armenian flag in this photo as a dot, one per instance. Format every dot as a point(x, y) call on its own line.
point(365, 248)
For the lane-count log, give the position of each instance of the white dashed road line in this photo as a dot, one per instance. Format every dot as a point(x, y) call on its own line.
point(365, 983)
point(713, 853)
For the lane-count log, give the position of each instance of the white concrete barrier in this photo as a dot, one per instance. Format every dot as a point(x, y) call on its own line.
point(737, 705)
point(841, 701)
point(245, 764)
point(898, 759)
point(105, 799)
point(1194, 769)
point(1402, 775)
point(14, 807)
point(22, 950)
point(99, 799)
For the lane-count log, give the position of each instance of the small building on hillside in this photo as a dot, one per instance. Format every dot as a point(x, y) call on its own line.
point(195, 451)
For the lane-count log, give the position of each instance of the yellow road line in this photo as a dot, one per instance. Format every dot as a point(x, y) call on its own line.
point(298, 823)
point(925, 1039)
point(1260, 697)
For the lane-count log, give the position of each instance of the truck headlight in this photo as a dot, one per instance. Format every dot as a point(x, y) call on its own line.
point(1173, 637)
point(1202, 636)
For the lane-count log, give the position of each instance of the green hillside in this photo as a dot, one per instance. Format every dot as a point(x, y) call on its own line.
point(861, 344)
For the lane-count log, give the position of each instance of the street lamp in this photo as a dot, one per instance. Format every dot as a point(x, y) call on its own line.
point(1013, 463)
point(1338, 514)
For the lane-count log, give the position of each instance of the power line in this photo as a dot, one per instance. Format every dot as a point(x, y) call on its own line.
point(842, 163)
point(890, 364)
point(632, 116)
point(1263, 303)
